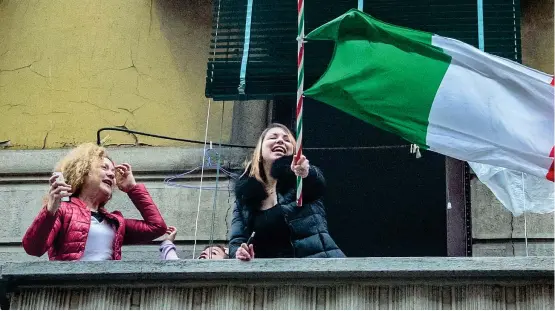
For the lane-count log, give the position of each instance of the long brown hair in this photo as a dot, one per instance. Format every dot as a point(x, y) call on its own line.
point(255, 167)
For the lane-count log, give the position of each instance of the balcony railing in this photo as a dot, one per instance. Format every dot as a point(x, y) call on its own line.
point(354, 283)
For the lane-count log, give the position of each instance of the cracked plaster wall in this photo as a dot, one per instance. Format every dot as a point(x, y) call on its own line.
point(68, 68)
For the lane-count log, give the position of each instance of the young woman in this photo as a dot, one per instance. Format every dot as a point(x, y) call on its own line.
point(266, 204)
point(82, 229)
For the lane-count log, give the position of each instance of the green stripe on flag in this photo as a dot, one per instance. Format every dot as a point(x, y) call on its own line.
point(382, 74)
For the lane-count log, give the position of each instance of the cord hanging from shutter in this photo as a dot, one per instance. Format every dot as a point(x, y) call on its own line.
point(246, 46)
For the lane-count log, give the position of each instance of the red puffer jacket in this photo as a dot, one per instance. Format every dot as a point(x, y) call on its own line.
point(64, 234)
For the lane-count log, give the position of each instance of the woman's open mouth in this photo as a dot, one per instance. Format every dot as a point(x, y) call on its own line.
point(109, 182)
point(279, 148)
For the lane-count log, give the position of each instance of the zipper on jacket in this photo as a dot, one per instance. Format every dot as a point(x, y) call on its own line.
point(290, 233)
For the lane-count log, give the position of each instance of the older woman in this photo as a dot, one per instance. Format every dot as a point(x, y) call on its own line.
point(82, 229)
point(266, 204)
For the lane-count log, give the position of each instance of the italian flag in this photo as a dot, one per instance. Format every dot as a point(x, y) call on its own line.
point(439, 93)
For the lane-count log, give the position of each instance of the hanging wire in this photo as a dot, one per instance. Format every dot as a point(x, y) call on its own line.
point(217, 183)
point(524, 213)
point(185, 140)
point(192, 141)
point(201, 175)
point(525, 235)
point(206, 131)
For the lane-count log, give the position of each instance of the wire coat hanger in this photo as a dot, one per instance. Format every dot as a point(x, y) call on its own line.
point(208, 165)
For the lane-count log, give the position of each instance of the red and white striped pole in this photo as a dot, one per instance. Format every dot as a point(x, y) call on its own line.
point(300, 84)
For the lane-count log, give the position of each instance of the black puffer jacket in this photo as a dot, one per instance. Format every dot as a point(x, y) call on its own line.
point(309, 228)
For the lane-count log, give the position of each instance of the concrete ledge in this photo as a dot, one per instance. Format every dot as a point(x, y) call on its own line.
point(143, 159)
point(305, 284)
point(275, 269)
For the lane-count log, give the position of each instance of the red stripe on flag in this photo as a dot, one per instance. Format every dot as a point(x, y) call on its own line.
point(551, 172)
point(299, 5)
point(553, 81)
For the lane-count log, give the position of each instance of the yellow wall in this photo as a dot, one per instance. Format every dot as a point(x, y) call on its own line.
point(68, 68)
point(537, 34)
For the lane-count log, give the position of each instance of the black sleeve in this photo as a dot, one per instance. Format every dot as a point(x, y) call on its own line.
point(238, 232)
point(314, 185)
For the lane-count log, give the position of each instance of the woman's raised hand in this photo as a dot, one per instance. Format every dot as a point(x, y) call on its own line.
point(57, 191)
point(245, 252)
point(124, 177)
point(301, 167)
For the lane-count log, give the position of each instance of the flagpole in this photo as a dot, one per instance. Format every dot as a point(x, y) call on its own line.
point(300, 85)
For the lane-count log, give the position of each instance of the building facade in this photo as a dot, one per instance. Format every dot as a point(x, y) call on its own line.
point(68, 69)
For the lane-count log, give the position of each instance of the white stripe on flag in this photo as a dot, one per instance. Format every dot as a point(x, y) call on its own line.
point(492, 111)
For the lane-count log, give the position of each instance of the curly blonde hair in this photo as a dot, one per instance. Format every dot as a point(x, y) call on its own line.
point(78, 163)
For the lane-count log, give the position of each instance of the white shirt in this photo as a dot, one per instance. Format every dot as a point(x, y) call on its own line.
point(100, 241)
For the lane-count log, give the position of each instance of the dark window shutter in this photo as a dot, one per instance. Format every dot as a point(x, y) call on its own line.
point(502, 28)
point(271, 68)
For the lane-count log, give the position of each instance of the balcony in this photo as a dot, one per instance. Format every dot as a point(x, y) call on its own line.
point(354, 283)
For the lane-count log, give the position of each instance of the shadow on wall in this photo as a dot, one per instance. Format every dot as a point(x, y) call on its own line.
point(187, 26)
